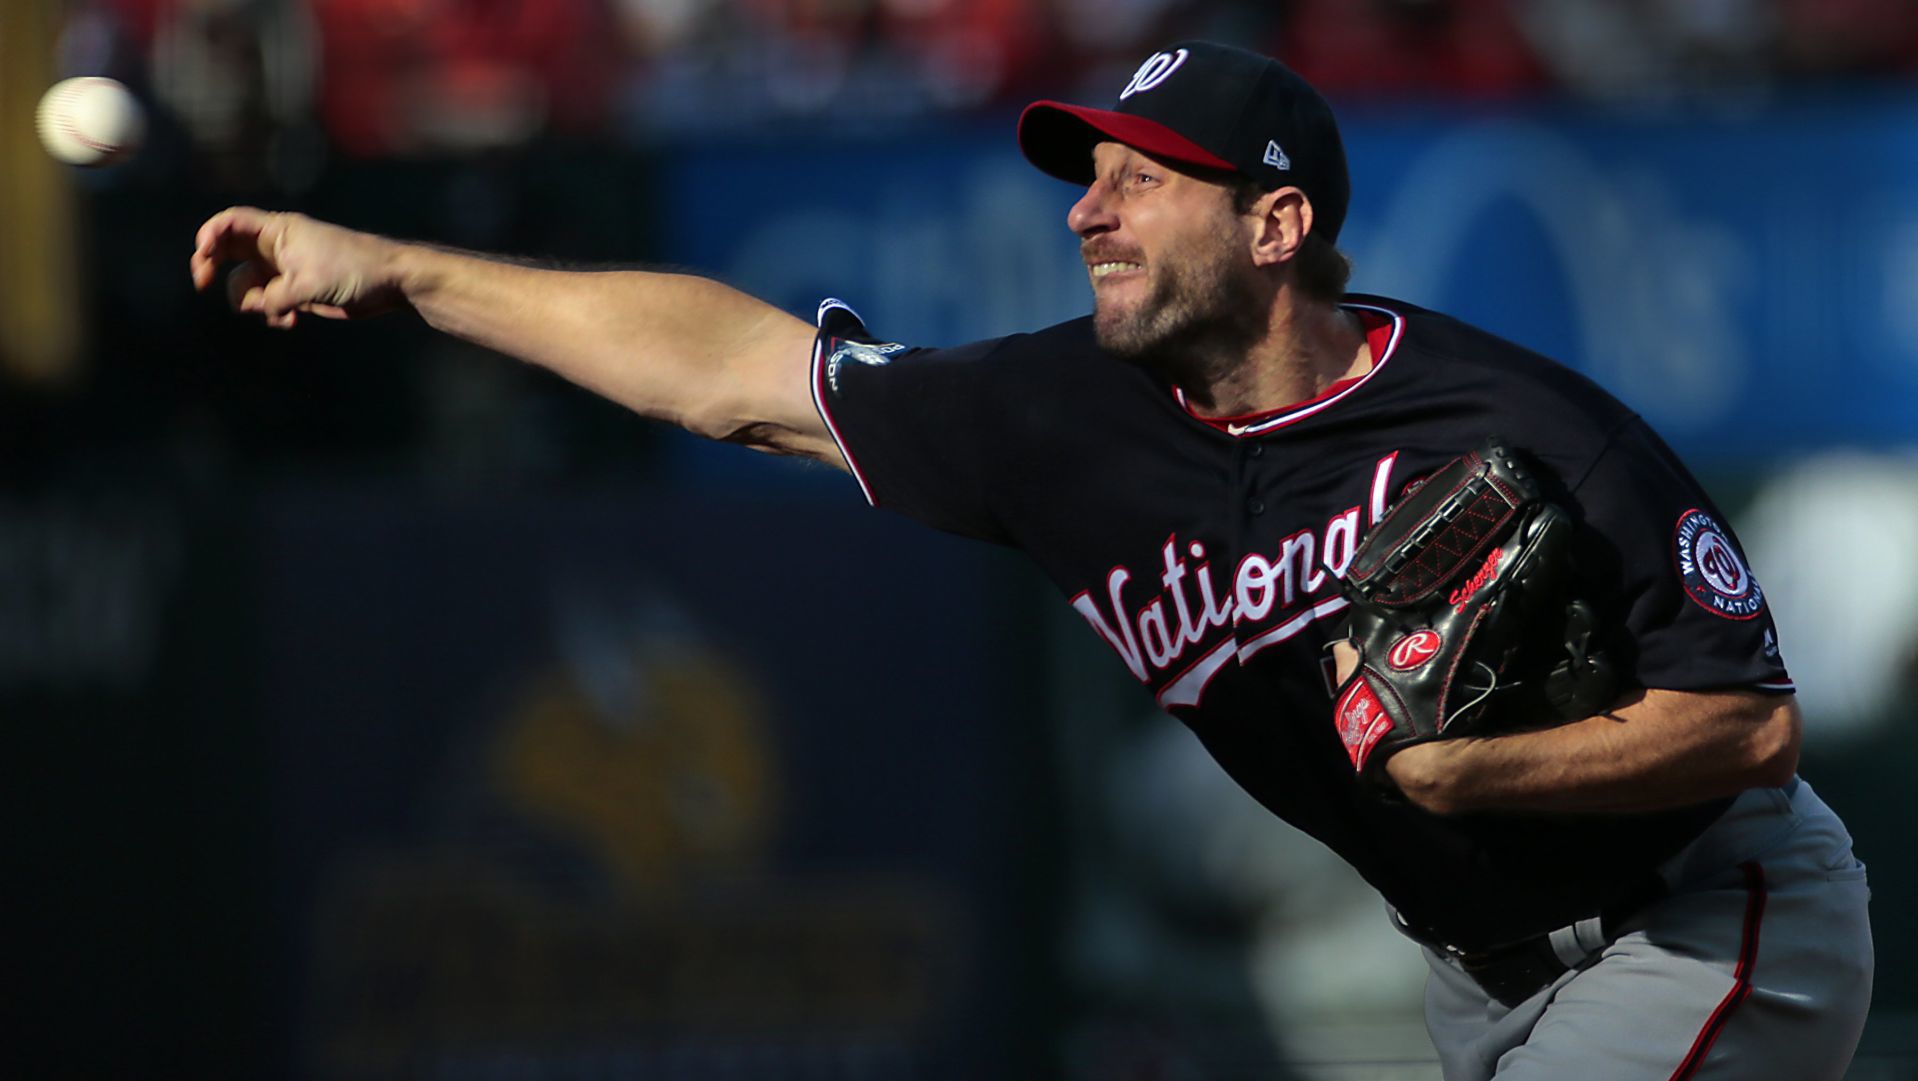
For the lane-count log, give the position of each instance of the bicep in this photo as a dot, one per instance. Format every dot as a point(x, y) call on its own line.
point(1667, 748)
point(1752, 731)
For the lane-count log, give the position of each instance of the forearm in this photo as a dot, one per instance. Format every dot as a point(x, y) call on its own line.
point(677, 348)
point(1665, 749)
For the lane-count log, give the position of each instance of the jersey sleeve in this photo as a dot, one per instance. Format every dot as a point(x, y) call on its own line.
point(1693, 612)
point(918, 427)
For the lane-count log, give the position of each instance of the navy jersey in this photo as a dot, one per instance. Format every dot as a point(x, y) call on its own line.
point(1207, 554)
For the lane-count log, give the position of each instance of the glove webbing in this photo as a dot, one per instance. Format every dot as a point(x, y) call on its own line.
point(1454, 533)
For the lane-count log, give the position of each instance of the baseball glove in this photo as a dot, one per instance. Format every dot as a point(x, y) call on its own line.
point(1462, 612)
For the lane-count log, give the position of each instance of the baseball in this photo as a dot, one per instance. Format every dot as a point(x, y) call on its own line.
point(90, 121)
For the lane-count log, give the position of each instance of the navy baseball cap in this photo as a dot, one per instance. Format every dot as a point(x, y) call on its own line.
point(1211, 106)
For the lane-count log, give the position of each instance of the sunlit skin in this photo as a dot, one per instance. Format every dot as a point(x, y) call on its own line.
point(1197, 282)
point(1652, 750)
point(722, 364)
point(1200, 293)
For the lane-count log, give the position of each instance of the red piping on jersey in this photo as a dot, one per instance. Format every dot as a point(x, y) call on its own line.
point(1384, 329)
point(1741, 977)
point(819, 403)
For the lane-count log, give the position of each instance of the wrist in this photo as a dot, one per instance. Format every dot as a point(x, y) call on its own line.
point(410, 269)
point(1427, 774)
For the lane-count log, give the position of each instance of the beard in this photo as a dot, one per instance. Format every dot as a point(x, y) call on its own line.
point(1200, 315)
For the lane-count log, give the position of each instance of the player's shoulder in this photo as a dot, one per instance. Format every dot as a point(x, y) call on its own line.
point(1436, 333)
point(1456, 355)
point(1070, 343)
point(1037, 373)
point(1067, 342)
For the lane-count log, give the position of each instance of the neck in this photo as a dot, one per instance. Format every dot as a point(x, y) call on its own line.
point(1306, 347)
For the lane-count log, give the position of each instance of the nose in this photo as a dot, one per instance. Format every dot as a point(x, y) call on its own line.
point(1092, 214)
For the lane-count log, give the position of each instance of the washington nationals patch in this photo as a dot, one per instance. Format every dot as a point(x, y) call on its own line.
point(1714, 574)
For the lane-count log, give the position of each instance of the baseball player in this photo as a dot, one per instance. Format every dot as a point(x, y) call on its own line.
point(1642, 889)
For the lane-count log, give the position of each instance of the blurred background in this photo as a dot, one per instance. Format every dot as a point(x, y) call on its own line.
point(379, 708)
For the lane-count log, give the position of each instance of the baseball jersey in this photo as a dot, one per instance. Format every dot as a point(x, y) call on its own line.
point(1207, 553)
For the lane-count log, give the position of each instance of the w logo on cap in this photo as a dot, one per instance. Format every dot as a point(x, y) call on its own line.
point(1157, 68)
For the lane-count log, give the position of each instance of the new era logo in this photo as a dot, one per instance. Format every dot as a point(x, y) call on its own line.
point(1275, 157)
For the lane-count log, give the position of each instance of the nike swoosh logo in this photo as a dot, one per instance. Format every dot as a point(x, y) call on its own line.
point(1236, 429)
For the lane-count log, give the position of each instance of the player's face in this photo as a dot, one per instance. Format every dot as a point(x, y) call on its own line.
point(1167, 256)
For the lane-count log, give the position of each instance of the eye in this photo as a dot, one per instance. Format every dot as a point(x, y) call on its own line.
point(1140, 178)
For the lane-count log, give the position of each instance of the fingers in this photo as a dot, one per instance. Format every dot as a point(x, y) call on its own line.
point(256, 285)
point(253, 287)
point(1346, 661)
point(279, 275)
point(245, 284)
point(237, 233)
point(281, 299)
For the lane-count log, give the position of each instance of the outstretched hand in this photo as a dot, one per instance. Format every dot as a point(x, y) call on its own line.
point(290, 263)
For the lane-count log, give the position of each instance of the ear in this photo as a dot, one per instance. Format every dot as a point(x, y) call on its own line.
point(1280, 221)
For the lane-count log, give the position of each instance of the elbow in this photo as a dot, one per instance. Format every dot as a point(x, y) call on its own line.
point(762, 436)
point(728, 415)
point(712, 413)
point(738, 411)
point(723, 418)
point(717, 425)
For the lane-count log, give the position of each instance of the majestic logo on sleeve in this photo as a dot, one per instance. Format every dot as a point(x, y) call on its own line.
point(1714, 574)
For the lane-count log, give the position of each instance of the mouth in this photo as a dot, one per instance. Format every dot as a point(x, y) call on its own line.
point(1106, 270)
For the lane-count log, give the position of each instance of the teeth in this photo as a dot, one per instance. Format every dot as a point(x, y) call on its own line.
point(1100, 270)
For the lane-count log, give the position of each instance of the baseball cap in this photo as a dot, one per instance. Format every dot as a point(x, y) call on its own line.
point(1208, 105)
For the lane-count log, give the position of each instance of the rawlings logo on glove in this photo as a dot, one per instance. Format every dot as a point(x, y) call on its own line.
point(1413, 650)
point(1462, 615)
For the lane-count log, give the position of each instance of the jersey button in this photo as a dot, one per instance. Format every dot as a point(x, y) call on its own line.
point(1257, 450)
point(1256, 506)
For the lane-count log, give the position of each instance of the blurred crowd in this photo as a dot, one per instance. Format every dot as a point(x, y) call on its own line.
point(410, 77)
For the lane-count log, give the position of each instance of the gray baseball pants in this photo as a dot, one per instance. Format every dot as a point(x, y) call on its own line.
point(1756, 967)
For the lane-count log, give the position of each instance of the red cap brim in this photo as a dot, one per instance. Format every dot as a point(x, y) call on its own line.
point(1058, 138)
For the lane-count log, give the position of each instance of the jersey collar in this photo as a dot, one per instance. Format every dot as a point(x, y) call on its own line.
point(1383, 330)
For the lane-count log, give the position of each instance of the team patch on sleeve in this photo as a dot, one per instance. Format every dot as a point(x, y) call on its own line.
point(870, 354)
point(1714, 574)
